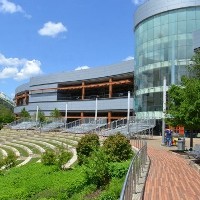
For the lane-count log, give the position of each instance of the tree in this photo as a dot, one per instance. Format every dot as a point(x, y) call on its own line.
point(117, 147)
point(184, 100)
point(24, 113)
point(6, 114)
point(41, 116)
point(86, 145)
point(55, 113)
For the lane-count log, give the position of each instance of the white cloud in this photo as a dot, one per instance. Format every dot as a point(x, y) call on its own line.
point(129, 58)
point(82, 67)
point(52, 29)
point(18, 69)
point(9, 7)
point(137, 2)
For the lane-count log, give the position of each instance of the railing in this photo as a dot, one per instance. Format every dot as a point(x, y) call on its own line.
point(132, 127)
point(134, 172)
point(85, 125)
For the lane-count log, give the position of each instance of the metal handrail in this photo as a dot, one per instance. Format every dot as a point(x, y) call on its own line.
point(134, 172)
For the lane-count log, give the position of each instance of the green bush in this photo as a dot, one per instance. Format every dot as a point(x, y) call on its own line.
point(117, 147)
point(10, 160)
point(86, 145)
point(48, 157)
point(97, 169)
point(118, 170)
point(1, 126)
point(113, 190)
point(62, 157)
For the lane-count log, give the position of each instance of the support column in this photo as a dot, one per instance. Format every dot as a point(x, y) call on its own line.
point(109, 117)
point(110, 87)
point(83, 90)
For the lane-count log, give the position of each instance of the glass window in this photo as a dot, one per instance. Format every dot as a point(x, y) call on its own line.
point(191, 13)
point(181, 27)
point(164, 30)
point(198, 13)
point(157, 20)
point(164, 18)
point(150, 34)
point(172, 16)
point(182, 15)
point(191, 26)
point(181, 52)
point(173, 28)
point(150, 23)
point(157, 33)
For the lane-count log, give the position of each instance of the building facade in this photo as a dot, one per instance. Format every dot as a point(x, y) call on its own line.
point(165, 40)
point(79, 90)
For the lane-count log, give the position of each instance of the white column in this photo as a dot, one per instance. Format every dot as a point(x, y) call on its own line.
point(164, 110)
point(128, 113)
point(36, 117)
point(66, 110)
point(95, 111)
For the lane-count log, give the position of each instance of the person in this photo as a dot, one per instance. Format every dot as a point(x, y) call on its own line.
point(168, 136)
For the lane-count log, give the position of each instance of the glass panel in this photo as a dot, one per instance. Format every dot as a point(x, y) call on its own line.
point(172, 16)
point(191, 13)
point(181, 27)
point(191, 26)
point(182, 15)
point(157, 20)
point(164, 18)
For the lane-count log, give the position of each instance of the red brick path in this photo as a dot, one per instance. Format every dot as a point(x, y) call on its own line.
point(170, 178)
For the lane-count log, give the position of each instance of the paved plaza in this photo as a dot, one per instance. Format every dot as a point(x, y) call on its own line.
point(170, 177)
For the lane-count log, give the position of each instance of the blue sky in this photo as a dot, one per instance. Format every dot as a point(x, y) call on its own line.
point(48, 36)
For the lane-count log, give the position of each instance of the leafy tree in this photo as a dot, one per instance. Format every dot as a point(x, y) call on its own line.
point(6, 114)
point(63, 157)
point(48, 157)
point(117, 147)
point(97, 169)
point(10, 160)
point(24, 113)
point(184, 100)
point(87, 144)
point(1, 126)
point(41, 116)
point(55, 113)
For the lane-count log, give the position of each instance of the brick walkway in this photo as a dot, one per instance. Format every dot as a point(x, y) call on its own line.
point(170, 177)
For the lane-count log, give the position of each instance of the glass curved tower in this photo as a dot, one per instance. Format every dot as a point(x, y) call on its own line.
point(163, 48)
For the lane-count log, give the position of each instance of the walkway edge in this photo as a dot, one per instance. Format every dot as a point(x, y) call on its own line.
point(142, 182)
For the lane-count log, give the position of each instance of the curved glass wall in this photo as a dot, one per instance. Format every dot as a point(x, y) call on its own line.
point(164, 47)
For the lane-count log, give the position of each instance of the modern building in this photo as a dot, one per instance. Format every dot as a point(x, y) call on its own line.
point(6, 101)
point(164, 37)
point(196, 40)
point(79, 89)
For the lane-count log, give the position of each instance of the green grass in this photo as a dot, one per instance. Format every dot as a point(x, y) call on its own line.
point(36, 181)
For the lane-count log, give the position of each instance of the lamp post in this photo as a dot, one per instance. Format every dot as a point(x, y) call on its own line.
point(36, 117)
point(66, 110)
point(128, 114)
point(164, 110)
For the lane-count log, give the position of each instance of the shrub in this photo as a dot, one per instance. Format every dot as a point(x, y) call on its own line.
point(1, 126)
point(87, 144)
point(48, 157)
point(113, 190)
point(117, 147)
point(97, 169)
point(10, 160)
point(118, 170)
point(63, 157)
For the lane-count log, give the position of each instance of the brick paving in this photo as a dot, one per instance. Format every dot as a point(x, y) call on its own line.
point(170, 176)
